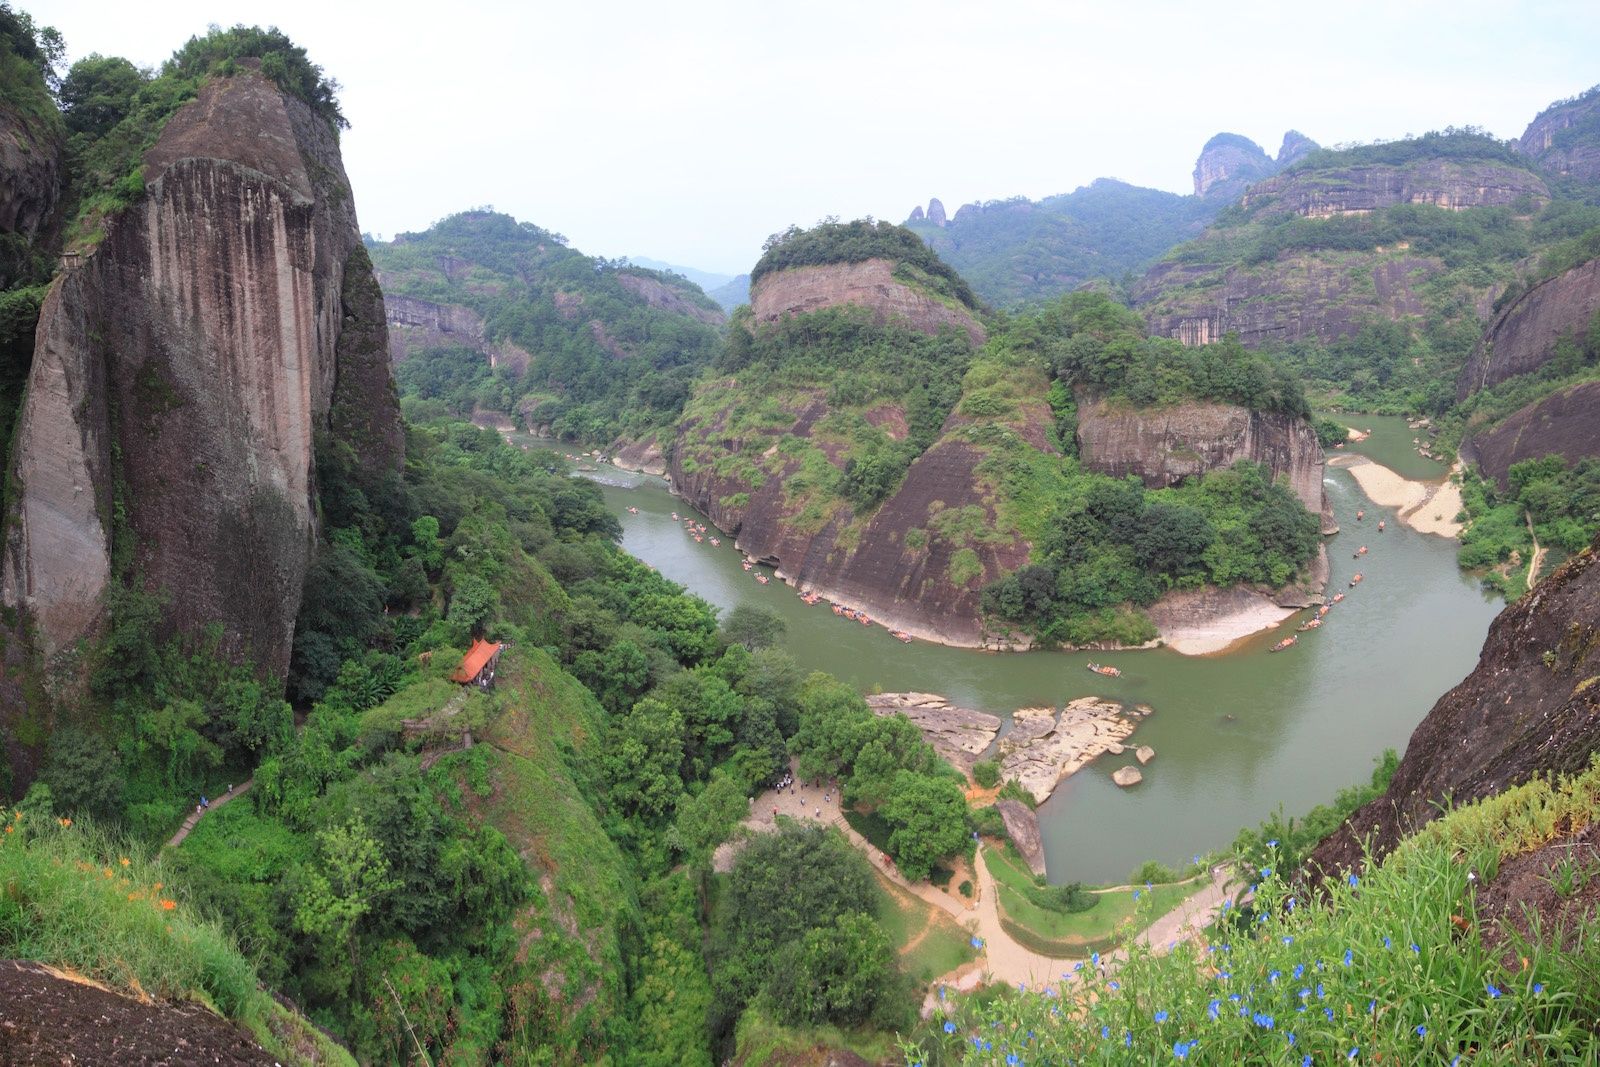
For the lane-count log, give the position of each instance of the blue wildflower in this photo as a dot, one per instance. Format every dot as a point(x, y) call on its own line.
point(1263, 1020)
point(1291, 1040)
point(1299, 969)
point(1422, 1031)
point(1274, 976)
point(949, 1028)
point(1012, 1061)
point(1105, 1031)
point(1306, 1062)
point(977, 942)
point(1387, 943)
point(1304, 993)
point(1494, 992)
point(1266, 872)
point(1127, 1038)
point(1538, 987)
point(1224, 975)
point(1348, 956)
point(1354, 1052)
point(1263, 918)
point(1094, 958)
point(1273, 843)
point(1354, 881)
point(1320, 993)
point(1288, 939)
point(1329, 1013)
point(1212, 1010)
point(1372, 1007)
point(1135, 894)
point(1181, 1049)
point(1022, 987)
point(1161, 1016)
point(1113, 984)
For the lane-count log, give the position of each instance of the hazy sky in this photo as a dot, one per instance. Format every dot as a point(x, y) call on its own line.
point(688, 131)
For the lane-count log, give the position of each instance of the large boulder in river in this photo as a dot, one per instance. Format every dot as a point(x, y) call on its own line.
point(1127, 776)
point(1043, 748)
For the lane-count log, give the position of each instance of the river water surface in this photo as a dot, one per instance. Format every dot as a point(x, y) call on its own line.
point(1235, 735)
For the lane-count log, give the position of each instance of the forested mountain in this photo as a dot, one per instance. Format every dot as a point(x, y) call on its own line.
point(494, 313)
point(868, 434)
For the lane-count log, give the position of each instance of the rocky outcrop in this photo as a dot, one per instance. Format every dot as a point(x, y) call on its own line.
point(936, 212)
point(1022, 826)
point(1566, 423)
point(1294, 298)
point(1323, 192)
point(916, 214)
point(416, 324)
point(1531, 707)
point(1127, 776)
point(182, 373)
point(642, 454)
point(1165, 445)
point(1295, 147)
point(660, 295)
point(30, 183)
point(1043, 747)
point(1523, 336)
point(871, 284)
point(959, 735)
point(1227, 164)
point(1565, 139)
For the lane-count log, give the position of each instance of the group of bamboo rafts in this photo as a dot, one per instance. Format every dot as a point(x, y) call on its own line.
point(699, 532)
point(1327, 605)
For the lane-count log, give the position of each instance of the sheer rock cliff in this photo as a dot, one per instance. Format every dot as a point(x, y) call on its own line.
point(869, 283)
point(1523, 336)
point(182, 373)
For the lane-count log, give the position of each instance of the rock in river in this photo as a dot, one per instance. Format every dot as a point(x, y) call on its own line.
point(958, 734)
point(1042, 748)
point(1126, 776)
point(1145, 753)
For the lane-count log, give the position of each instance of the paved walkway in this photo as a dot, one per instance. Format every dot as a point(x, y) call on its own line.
point(195, 816)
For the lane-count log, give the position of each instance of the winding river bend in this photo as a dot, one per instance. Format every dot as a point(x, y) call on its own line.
point(1235, 735)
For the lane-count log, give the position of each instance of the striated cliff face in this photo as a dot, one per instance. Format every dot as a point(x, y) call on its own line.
point(664, 297)
point(417, 324)
point(1163, 446)
point(30, 182)
point(870, 283)
point(1523, 336)
point(1566, 423)
point(182, 373)
point(1531, 707)
point(893, 564)
point(1565, 139)
point(1300, 296)
point(1359, 190)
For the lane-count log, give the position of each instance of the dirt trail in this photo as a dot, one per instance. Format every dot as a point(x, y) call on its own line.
point(1538, 552)
point(195, 816)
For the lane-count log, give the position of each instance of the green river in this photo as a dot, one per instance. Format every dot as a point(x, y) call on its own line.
point(1235, 735)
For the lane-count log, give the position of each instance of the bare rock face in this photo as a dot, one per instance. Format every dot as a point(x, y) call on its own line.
point(418, 324)
point(660, 295)
point(220, 325)
point(1321, 193)
point(1563, 139)
point(643, 455)
point(30, 181)
point(1530, 708)
point(936, 212)
point(870, 283)
point(1522, 338)
point(1162, 446)
point(960, 735)
point(1566, 423)
point(1022, 826)
point(1043, 748)
point(1296, 146)
point(916, 214)
point(1227, 164)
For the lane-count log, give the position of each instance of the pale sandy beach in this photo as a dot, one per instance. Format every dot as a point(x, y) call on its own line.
point(1203, 622)
point(1427, 507)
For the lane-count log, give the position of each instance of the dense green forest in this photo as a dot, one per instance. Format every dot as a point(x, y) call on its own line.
point(604, 361)
point(1015, 252)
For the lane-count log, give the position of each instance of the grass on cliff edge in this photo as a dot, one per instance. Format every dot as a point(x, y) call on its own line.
point(1389, 968)
point(80, 899)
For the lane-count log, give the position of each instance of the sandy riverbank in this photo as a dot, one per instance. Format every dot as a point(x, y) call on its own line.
point(1204, 622)
point(1427, 507)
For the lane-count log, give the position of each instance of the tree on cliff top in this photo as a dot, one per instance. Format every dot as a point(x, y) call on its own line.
point(283, 61)
point(832, 241)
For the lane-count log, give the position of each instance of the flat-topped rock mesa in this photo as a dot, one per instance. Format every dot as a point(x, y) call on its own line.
point(960, 735)
point(1564, 139)
point(1566, 423)
point(869, 283)
point(1531, 708)
point(418, 324)
point(1324, 192)
point(1523, 335)
point(182, 372)
point(1043, 747)
point(1164, 445)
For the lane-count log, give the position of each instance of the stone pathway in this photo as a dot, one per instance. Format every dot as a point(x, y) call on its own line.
point(195, 816)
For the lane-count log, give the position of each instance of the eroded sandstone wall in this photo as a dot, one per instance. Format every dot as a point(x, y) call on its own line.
point(1523, 336)
point(1566, 423)
point(871, 284)
point(182, 373)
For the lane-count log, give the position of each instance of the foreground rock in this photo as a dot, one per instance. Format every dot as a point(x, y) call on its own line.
point(1127, 776)
point(960, 735)
point(1530, 708)
point(1043, 748)
point(1022, 826)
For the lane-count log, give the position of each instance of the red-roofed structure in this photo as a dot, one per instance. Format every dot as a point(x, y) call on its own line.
point(477, 666)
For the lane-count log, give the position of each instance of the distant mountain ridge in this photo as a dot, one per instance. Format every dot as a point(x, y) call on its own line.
point(705, 279)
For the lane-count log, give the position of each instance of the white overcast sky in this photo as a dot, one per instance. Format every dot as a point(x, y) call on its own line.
point(688, 131)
